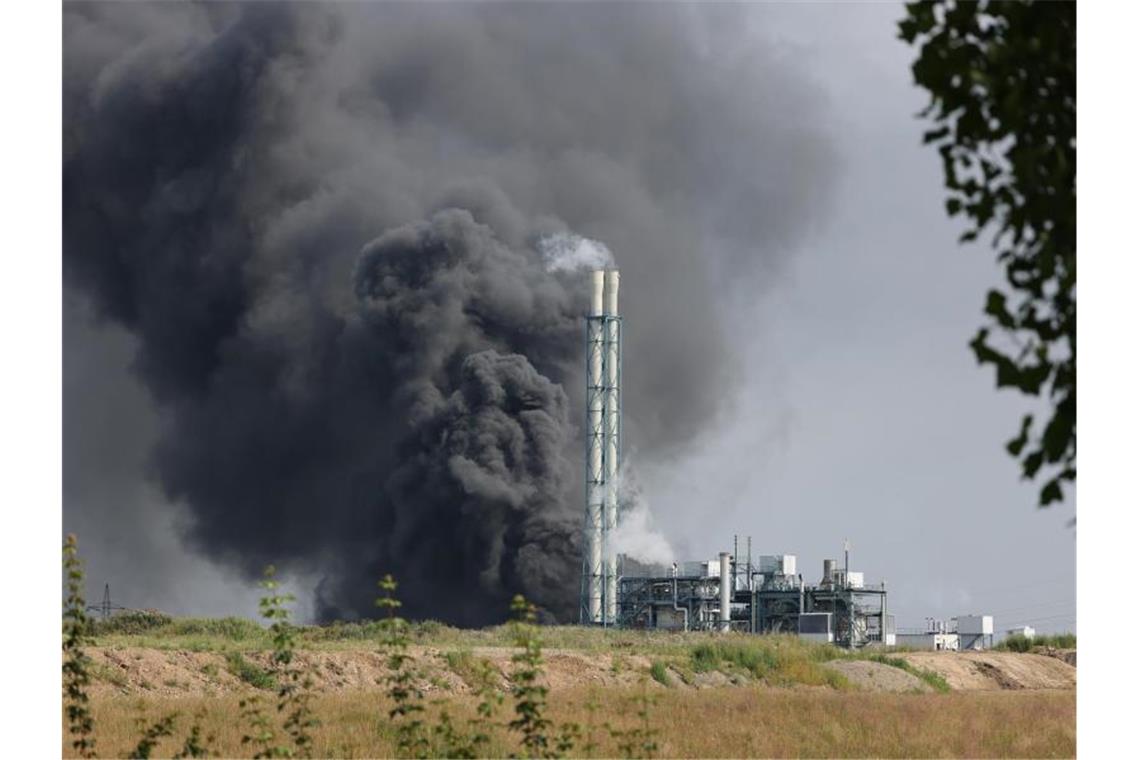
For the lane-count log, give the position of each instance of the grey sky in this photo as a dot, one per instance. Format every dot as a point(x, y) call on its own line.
point(861, 413)
point(866, 416)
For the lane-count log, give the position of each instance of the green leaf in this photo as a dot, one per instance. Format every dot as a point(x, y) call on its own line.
point(1051, 493)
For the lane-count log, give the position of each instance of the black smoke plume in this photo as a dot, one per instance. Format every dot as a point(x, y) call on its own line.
point(321, 225)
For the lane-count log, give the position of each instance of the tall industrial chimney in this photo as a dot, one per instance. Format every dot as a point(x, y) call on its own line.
point(603, 449)
point(613, 436)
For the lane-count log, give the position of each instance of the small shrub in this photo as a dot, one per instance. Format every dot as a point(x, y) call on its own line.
point(294, 685)
point(407, 699)
point(705, 658)
point(1062, 641)
point(132, 623)
point(229, 628)
point(660, 673)
point(756, 660)
point(530, 695)
point(1020, 643)
point(76, 664)
point(836, 680)
point(1015, 643)
point(425, 629)
point(249, 672)
point(195, 744)
point(108, 674)
point(591, 706)
point(473, 670)
point(639, 741)
point(935, 681)
point(164, 726)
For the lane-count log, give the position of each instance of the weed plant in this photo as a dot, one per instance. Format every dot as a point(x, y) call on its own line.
point(76, 664)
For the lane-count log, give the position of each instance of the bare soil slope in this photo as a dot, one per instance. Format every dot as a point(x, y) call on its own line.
point(173, 672)
point(875, 676)
point(996, 670)
point(178, 672)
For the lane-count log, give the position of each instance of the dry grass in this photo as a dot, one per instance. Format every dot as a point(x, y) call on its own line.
point(733, 722)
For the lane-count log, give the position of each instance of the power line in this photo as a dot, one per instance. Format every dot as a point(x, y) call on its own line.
point(989, 591)
point(105, 608)
point(1032, 606)
point(1046, 617)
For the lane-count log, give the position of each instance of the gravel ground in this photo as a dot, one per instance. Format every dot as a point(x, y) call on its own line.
point(875, 676)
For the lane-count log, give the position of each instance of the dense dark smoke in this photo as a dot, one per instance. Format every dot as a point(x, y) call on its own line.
point(321, 225)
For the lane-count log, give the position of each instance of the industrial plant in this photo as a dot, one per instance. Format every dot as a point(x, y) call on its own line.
point(737, 591)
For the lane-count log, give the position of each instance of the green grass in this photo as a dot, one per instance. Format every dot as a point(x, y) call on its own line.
point(660, 673)
point(108, 674)
point(249, 672)
point(933, 680)
point(773, 660)
point(475, 671)
point(1019, 643)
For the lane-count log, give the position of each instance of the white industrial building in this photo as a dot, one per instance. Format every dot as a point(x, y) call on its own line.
point(974, 631)
point(933, 640)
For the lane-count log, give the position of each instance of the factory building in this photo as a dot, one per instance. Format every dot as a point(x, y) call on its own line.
point(965, 632)
point(974, 631)
point(935, 641)
point(765, 594)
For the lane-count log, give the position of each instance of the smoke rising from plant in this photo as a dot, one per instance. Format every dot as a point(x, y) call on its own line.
point(636, 535)
point(330, 230)
point(567, 252)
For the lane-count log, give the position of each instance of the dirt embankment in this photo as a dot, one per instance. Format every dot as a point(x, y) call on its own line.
point(177, 672)
point(989, 671)
point(136, 670)
point(875, 676)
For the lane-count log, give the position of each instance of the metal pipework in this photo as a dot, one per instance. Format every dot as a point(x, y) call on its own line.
point(612, 459)
point(676, 606)
point(725, 591)
point(828, 572)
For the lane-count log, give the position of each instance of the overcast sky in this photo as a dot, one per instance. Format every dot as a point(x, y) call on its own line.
point(862, 414)
point(866, 417)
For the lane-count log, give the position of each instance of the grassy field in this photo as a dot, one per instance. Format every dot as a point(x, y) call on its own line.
point(731, 722)
point(784, 701)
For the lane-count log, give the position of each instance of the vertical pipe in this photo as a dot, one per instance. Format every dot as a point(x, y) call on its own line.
point(750, 563)
point(676, 606)
point(595, 446)
point(846, 564)
point(611, 459)
point(883, 614)
point(725, 596)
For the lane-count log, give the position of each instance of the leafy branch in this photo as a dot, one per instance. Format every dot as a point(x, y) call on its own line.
point(1002, 81)
point(76, 664)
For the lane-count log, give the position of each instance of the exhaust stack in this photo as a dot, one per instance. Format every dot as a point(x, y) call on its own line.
point(603, 449)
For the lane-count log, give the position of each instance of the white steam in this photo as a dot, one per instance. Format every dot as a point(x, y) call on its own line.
point(567, 252)
point(635, 535)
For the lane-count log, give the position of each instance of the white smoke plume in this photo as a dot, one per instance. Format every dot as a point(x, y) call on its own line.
point(567, 252)
point(636, 536)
